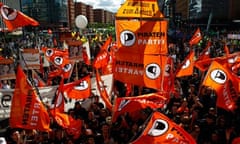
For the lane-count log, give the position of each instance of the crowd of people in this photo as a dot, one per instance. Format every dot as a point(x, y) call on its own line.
point(194, 109)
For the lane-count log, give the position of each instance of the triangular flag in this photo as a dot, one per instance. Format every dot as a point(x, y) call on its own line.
point(14, 19)
point(196, 37)
point(160, 129)
point(186, 69)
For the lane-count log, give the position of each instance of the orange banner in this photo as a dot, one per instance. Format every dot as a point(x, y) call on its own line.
point(139, 69)
point(148, 37)
point(139, 9)
point(27, 111)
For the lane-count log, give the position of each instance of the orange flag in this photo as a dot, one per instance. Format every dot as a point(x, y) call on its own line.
point(60, 59)
point(101, 60)
point(145, 36)
point(219, 79)
point(196, 37)
point(140, 69)
point(103, 57)
point(27, 111)
point(132, 105)
point(160, 129)
point(79, 89)
point(14, 19)
point(186, 69)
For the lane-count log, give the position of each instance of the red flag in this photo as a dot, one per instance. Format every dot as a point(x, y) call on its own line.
point(27, 111)
point(160, 129)
point(186, 69)
point(14, 19)
point(219, 79)
point(196, 37)
point(132, 105)
point(79, 89)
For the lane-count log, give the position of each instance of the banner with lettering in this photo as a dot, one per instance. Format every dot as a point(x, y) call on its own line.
point(27, 111)
point(141, 70)
point(148, 37)
point(30, 59)
point(139, 9)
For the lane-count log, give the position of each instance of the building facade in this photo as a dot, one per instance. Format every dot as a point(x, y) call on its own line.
point(50, 14)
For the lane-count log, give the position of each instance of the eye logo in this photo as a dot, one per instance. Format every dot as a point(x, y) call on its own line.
point(82, 86)
point(67, 67)
point(158, 128)
point(127, 38)
point(186, 64)
point(218, 76)
point(8, 13)
point(153, 71)
point(49, 52)
point(58, 60)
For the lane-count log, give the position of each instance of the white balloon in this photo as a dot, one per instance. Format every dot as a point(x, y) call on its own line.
point(81, 21)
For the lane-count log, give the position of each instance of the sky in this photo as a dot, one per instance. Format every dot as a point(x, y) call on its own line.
point(110, 5)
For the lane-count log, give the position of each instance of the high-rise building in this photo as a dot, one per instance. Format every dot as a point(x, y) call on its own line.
point(50, 14)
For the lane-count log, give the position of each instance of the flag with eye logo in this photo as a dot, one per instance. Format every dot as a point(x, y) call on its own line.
point(221, 81)
point(196, 37)
point(14, 19)
point(141, 70)
point(161, 129)
point(60, 59)
point(79, 89)
point(186, 69)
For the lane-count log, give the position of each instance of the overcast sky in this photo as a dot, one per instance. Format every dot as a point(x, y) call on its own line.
point(110, 5)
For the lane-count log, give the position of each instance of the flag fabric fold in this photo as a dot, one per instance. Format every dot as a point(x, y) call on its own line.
point(27, 111)
point(161, 129)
